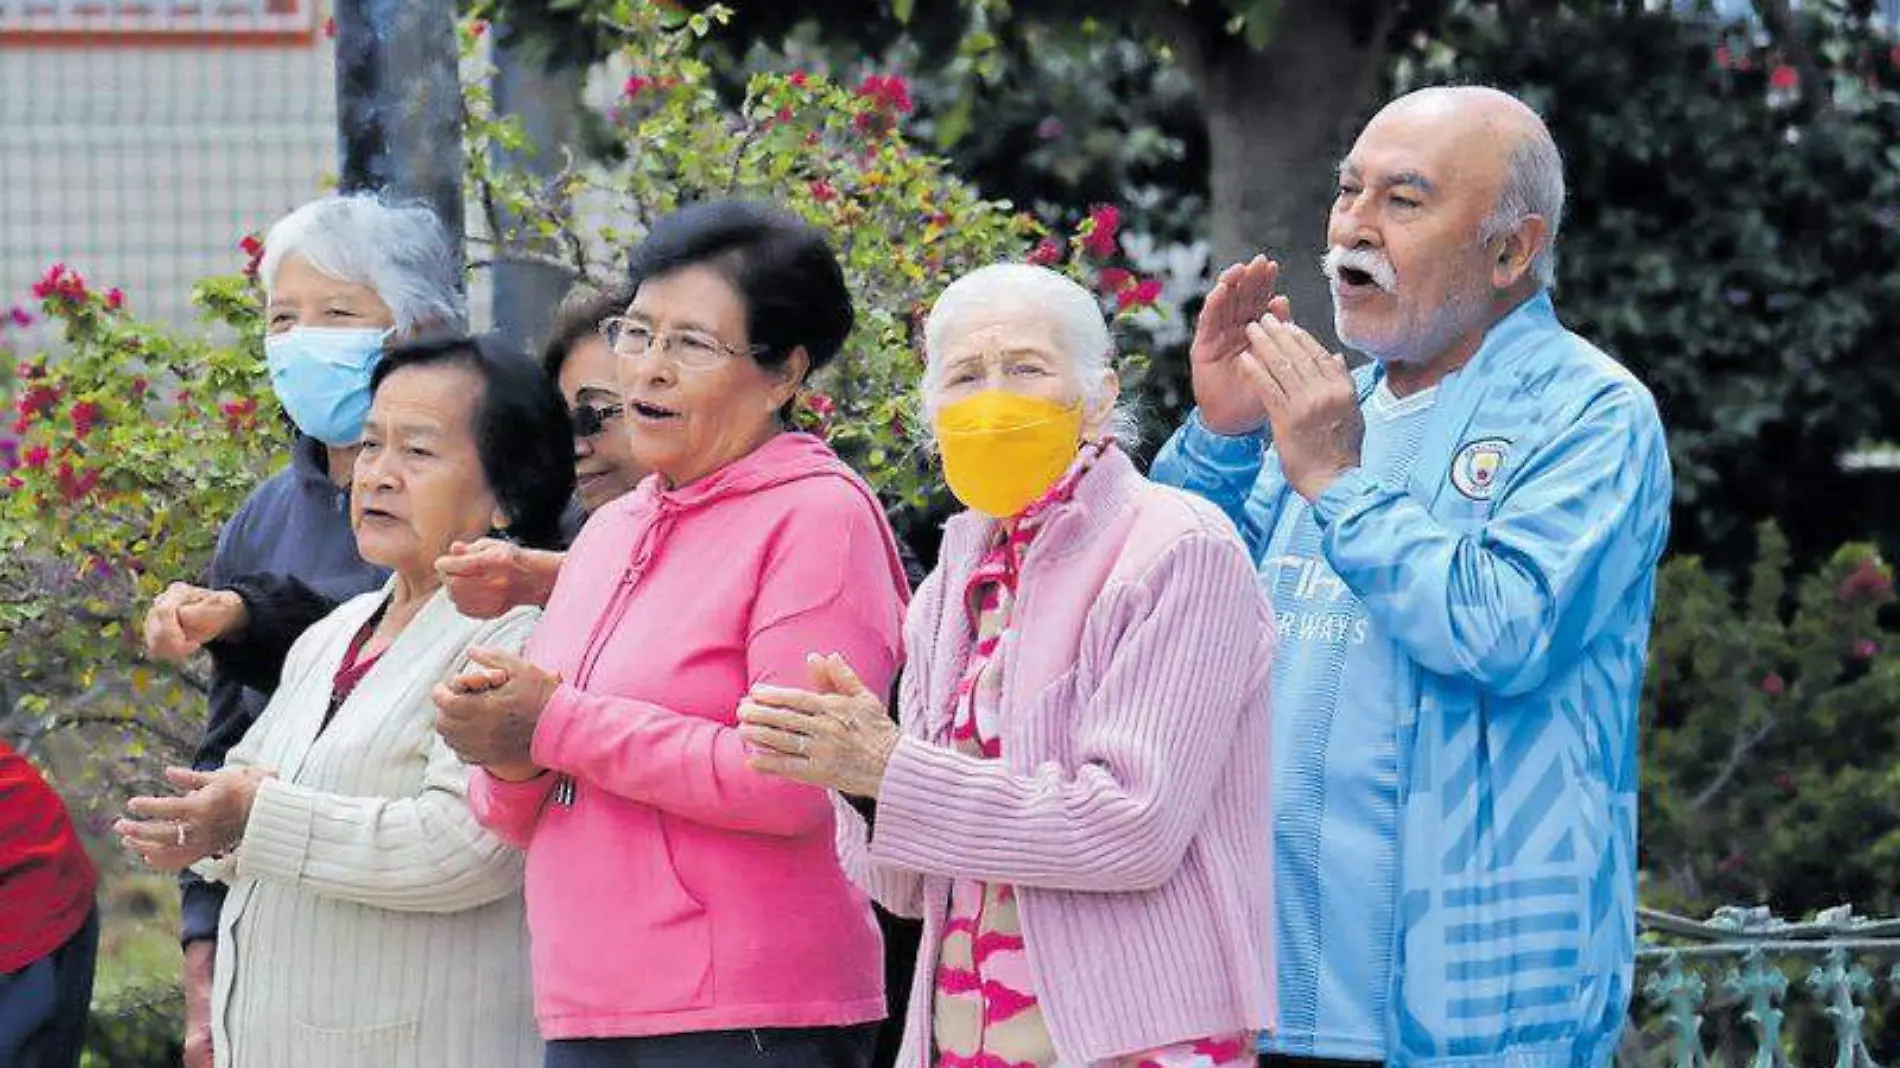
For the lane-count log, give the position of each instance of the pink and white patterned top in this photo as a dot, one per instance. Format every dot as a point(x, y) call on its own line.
point(985, 1012)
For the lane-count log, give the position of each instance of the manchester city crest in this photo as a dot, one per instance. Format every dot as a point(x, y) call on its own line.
point(1476, 467)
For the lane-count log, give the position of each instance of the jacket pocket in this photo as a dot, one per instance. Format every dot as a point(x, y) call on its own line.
point(391, 1044)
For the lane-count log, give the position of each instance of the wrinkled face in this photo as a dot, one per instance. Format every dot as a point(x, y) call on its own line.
point(418, 483)
point(687, 418)
point(1409, 272)
point(1014, 349)
point(301, 295)
point(604, 467)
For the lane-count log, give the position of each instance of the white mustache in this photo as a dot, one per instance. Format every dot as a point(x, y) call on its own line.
point(1360, 259)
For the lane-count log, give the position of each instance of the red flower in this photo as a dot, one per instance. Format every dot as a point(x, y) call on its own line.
point(1784, 78)
point(115, 299)
point(85, 415)
point(1047, 253)
point(1774, 685)
point(239, 415)
point(139, 386)
point(798, 79)
point(635, 86)
point(478, 28)
point(1114, 280)
point(36, 457)
point(253, 248)
point(889, 93)
point(1866, 649)
point(37, 400)
point(1106, 219)
point(20, 316)
point(820, 404)
point(14, 482)
point(1142, 295)
point(74, 485)
point(823, 192)
point(784, 114)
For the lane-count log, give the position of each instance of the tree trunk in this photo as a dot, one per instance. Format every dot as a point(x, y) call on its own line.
point(399, 102)
point(1278, 121)
point(545, 93)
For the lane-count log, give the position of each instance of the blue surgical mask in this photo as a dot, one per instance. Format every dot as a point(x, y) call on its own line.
point(321, 375)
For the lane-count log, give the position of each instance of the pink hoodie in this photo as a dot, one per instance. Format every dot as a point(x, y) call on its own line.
point(674, 889)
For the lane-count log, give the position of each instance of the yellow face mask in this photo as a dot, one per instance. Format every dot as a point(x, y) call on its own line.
point(1002, 450)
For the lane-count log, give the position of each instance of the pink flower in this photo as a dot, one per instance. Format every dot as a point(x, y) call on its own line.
point(799, 79)
point(20, 316)
point(85, 415)
point(635, 86)
point(115, 299)
point(478, 28)
point(1106, 220)
point(1774, 685)
point(1867, 582)
point(823, 192)
point(1866, 649)
point(820, 404)
point(1047, 253)
point(1113, 279)
point(1723, 57)
point(1141, 295)
point(889, 93)
point(1784, 78)
point(139, 386)
point(36, 457)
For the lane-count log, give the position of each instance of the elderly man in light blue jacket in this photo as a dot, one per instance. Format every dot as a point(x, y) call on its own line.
point(1460, 540)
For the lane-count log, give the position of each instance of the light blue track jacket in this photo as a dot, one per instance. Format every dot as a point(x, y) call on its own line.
point(1516, 572)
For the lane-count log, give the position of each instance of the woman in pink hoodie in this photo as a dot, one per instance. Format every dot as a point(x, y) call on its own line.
point(684, 908)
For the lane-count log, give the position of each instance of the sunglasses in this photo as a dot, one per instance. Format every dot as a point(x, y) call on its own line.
point(589, 421)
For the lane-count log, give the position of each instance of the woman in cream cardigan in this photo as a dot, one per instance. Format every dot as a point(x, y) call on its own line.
point(371, 920)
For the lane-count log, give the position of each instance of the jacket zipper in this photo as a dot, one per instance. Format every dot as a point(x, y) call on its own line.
point(564, 787)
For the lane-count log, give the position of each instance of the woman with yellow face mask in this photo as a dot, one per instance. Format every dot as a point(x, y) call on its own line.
point(1075, 798)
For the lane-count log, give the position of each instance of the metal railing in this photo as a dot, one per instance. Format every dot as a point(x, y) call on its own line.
point(1731, 989)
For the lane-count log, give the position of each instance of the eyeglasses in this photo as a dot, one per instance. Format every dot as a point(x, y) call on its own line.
point(589, 421)
point(689, 348)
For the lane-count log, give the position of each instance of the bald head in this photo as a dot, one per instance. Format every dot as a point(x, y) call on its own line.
point(1508, 149)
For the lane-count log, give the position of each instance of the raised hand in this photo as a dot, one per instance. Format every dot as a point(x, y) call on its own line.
point(1223, 391)
point(1311, 402)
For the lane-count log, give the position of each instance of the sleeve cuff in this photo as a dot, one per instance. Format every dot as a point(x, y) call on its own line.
point(1206, 444)
point(277, 835)
point(551, 731)
point(1346, 494)
point(488, 795)
point(912, 788)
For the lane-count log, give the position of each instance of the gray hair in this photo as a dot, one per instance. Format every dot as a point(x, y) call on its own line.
point(1072, 310)
point(399, 250)
point(1533, 185)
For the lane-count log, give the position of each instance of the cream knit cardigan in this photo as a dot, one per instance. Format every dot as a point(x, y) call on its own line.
point(371, 921)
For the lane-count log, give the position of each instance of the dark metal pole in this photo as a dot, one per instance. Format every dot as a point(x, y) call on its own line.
point(399, 102)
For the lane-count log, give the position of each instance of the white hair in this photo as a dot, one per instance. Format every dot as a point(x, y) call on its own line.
point(1533, 185)
point(399, 250)
point(1071, 309)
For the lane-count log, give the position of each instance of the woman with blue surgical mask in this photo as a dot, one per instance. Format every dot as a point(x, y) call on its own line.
point(343, 276)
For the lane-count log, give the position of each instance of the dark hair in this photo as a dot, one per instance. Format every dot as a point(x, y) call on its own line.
point(577, 319)
point(782, 267)
point(522, 432)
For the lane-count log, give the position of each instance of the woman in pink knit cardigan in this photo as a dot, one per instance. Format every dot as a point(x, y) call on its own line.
point(1075, 801)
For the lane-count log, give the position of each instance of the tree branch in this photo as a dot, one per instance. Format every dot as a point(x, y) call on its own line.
point(1744, 744)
